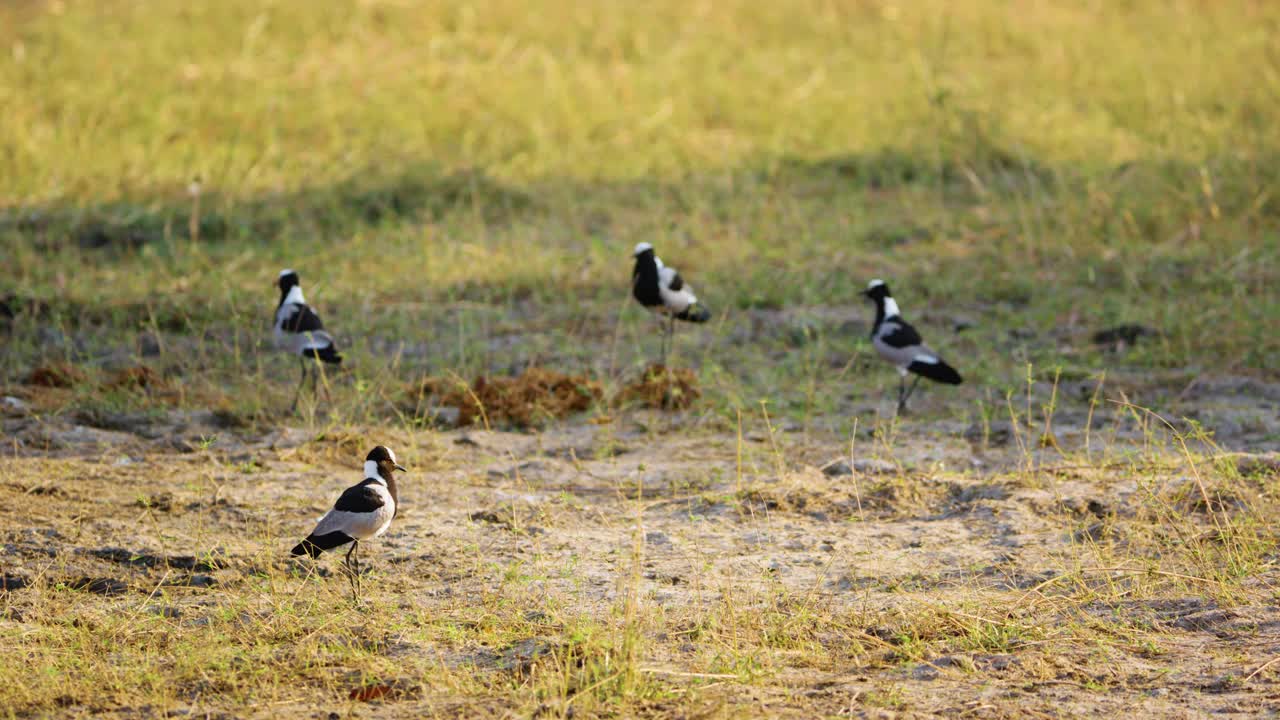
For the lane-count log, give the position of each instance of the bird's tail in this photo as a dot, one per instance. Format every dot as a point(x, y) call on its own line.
point(315, 544)
point(328, 354)
point(936, 371)
point(306, 547)
point(695, 313)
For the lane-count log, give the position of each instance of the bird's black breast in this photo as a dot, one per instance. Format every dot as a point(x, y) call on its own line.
point(362, 498)
point(900, 335)
point(303, 319)
point(644, 282)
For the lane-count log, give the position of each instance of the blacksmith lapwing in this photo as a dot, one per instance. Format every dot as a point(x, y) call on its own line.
point(662, 290)
point(298, 331)
point(364, 511)
point(899, 343)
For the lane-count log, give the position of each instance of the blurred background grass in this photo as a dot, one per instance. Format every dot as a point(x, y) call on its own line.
point(1043, 164)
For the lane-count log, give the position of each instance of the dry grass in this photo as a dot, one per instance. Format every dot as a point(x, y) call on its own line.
point(602, 596)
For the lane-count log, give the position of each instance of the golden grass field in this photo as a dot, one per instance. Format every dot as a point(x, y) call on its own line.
point(1076, 203)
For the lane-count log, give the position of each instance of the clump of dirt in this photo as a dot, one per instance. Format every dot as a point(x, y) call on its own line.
point(804, 493)
point(532, 398)
point(138, 377)
point(662, 388)
point(56, 375)
point(814, 503)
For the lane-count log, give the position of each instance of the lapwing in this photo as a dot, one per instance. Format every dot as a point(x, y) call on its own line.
point(899, 343)
point(363, 511)
point(662, 290)
point(298, 331)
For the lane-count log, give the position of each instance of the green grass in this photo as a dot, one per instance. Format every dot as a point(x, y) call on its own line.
point(1055, 168)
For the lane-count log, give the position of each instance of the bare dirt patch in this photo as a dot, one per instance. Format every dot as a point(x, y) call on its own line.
point(742, 577)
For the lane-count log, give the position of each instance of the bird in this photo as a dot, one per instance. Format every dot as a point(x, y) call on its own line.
point(661, 289)
point(364, 510)
point(298, 331)
point(897, 342)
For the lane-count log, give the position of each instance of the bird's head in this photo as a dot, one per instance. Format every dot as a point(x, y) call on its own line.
point(876, 290)
point(287, 280)
point(642, 249)
point(382, 461)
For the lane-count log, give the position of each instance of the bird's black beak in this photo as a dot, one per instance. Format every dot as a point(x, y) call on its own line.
point(400, 468)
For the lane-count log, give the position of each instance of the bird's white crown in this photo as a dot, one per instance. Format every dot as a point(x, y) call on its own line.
point(641, 247)
point(875, 283)
point(284, 272)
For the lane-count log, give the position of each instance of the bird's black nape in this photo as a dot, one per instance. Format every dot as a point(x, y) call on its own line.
point(386, 461)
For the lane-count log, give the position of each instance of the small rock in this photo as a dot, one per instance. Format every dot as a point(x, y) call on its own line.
point(99, 586)
point(12, 403)
point(443, 416)
point(1095, 532)
point(802, 332)
point(1119, 337)
point(520, 470)
point(656, 537)
point(148, 345)
point(994, 434)
point(873, 466)
point(997, 663)
point(837, 468)
point(1256, 465)
point(924, 671)
point(10, 583)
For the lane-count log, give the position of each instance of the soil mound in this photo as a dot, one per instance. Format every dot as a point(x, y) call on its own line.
point(536, 396)
point(59, 375)
point(662, 388)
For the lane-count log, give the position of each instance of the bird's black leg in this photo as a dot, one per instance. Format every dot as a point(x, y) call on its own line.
point(353, 571)
point(904, 393)
point(671, 339)
point(302, 363)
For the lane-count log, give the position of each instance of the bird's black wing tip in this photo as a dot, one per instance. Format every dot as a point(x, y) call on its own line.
point(695, 314)
point(937, 372)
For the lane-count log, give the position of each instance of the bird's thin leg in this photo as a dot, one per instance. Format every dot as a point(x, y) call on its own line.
point(662, 347)
point(359, 579)
point(315, 372)
point(671, 338)
point(915, 381)
point(352, 573)
point(904, 392)
point(302, 363)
